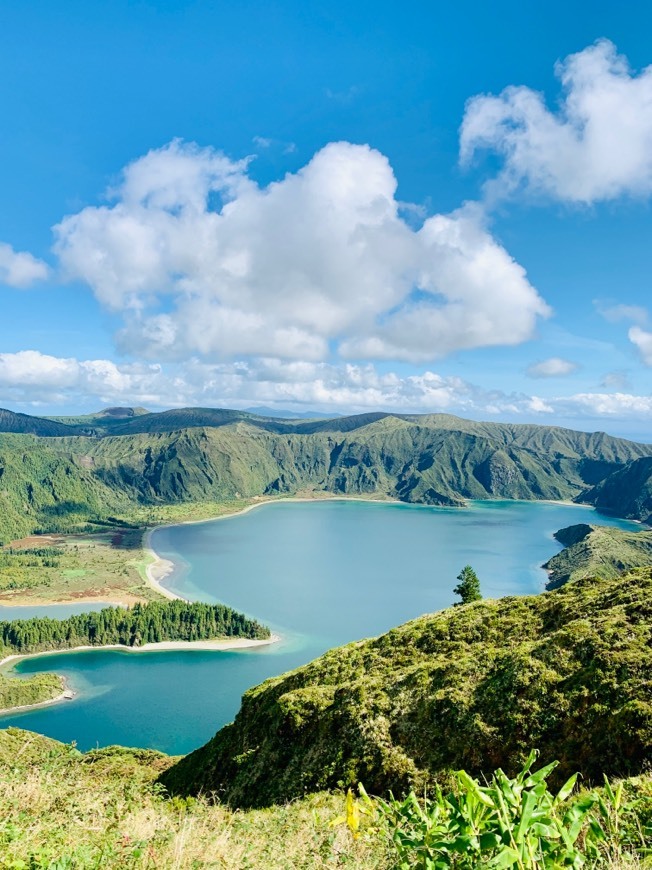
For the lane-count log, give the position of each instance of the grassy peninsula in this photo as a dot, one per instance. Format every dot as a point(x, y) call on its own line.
point(591, 550)
point(37, 689)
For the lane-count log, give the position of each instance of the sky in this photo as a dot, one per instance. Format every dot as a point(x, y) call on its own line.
point(417, 207)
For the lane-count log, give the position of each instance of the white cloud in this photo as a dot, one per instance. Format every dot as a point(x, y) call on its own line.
point(616, 313)
point(201, 260)
point(643, 341)
point(616, 405)
point(617, 380)
point(596, 146)
point(555, 367)
point(20, 269)
point(32, 378)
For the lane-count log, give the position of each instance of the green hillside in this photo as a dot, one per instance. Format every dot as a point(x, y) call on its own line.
point(471, 687)
point(213, 455)
point(601, 551)
point(26, 425)
point(44, 487)
point(627, 492)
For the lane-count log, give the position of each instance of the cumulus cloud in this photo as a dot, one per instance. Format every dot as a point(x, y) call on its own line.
point(29, 377)
point(202, 260)
point(554, 367)
point(20, 269)
point(596, 146)
point(643, 341)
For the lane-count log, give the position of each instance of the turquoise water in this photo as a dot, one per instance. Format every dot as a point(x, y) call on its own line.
point(320, 574)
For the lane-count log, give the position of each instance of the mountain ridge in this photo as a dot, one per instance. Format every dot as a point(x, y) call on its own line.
point(54, 474)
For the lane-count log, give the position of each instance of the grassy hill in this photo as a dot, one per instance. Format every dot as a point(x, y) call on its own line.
point(602, 551)
point(60, 808)
point(65, 475)
point(626, 492)
point(471, 687)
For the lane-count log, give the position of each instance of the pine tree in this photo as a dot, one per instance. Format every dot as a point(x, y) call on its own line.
point(469, 586)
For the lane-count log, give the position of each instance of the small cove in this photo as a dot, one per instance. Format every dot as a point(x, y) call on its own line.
point(321, 574)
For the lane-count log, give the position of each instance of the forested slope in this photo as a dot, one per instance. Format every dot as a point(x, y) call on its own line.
point(627, 492)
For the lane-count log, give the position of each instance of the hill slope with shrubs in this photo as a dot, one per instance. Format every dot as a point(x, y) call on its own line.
point(472, 687)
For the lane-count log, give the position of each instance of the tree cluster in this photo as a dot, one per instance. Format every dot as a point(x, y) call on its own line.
point(143, 623)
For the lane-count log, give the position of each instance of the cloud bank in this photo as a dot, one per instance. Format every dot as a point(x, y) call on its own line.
point(596, 146)
point(200, 260)
point(29, 377)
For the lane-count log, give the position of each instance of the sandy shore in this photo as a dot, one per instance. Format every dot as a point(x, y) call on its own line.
point(227, 643)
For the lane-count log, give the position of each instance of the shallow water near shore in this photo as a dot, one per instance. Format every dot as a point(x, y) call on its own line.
point(321, 574)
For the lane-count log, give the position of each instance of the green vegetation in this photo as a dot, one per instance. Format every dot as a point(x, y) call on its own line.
point(469, 586)
point(627, 492)
point(144, 623)
point(107, 565)
point(472, 687)
point(102, 810)
point(597, 550)
point(58, 480)
point(16, 692)
point(515, 823)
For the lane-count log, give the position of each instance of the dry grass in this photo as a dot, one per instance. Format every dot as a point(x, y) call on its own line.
point(60, 809)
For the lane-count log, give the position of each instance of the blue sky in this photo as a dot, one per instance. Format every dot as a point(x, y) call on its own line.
point(416, 206)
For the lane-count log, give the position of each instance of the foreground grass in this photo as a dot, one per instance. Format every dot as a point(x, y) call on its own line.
point(63, 809)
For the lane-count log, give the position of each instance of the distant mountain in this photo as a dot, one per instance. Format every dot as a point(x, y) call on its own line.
point(627, 492)
point(114, 460)
point(263, 411)
point(26, 425)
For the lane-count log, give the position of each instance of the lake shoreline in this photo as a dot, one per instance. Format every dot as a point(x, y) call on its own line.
point(158, 568)
point(218, 645)
point(68, 694)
